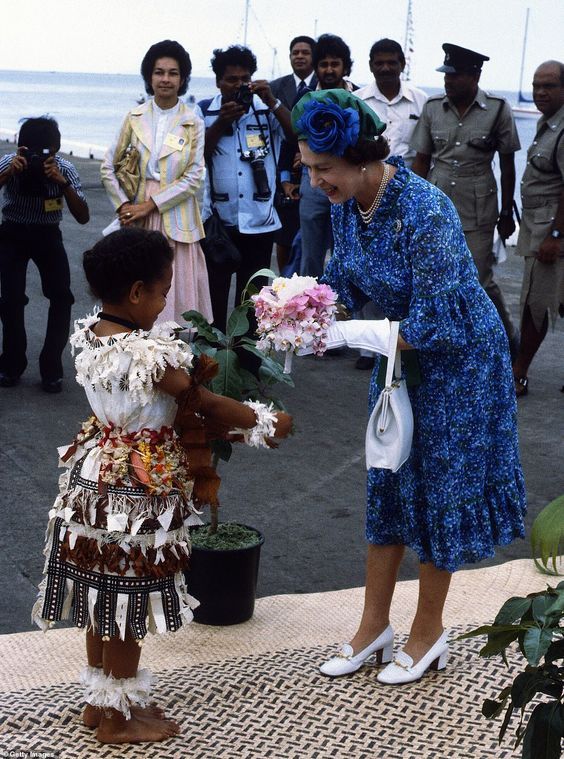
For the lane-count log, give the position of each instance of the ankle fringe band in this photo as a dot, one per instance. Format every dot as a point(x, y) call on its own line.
point(107, 692)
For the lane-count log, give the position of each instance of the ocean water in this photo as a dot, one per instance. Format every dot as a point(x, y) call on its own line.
point(90, 107)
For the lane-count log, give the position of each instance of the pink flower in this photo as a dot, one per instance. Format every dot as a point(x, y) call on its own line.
point(294, 312)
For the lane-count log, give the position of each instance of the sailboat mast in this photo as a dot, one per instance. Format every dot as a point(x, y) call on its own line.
point(408, 41)
point(522, 98)
point(246, 23)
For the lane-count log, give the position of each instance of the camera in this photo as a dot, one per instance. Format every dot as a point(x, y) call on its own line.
point(32, 180)
point(256, 159)
point(35, 157)
point(244, 97)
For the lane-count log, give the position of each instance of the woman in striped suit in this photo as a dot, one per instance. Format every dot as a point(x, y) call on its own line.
point(169, 137)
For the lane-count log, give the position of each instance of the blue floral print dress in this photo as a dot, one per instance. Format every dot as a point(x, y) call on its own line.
point(461, 492)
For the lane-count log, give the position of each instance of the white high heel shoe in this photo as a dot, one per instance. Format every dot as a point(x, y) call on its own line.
point(402, 670)
point(345, 662)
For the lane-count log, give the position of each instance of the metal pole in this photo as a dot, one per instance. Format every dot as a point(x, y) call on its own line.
point(523, 99)
point(246, 22)
point(408, 41)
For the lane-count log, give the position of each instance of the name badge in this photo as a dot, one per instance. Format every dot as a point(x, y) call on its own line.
point(53, 204)
point(174, 142)
point(255, 141)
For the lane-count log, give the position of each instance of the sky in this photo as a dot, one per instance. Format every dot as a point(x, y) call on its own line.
point(113, 35)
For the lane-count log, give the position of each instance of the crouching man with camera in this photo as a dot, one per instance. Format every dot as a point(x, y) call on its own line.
point(36, 183)
point(245, 125)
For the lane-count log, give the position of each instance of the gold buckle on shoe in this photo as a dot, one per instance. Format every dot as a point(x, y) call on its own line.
point(399, 663)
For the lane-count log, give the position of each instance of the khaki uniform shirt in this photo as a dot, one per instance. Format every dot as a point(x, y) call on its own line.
point(542, 183)
point(462, 151)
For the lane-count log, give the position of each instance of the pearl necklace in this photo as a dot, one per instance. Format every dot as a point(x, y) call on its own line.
point(368, 215)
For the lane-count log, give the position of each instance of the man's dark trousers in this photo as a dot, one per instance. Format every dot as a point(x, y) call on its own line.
point(256, 253)
point(43, 244)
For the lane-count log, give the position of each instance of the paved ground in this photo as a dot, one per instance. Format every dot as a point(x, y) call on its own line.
point(307, 498)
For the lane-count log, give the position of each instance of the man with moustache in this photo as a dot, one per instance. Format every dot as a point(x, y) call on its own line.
point(289, 89)
point(541, 235)
point(332, 63)
point(397, 103)
point(456, 139)
point(245, 124)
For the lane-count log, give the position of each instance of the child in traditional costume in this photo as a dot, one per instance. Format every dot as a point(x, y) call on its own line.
point(118, 538)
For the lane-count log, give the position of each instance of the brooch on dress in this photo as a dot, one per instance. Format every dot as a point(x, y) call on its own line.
point(397, 225)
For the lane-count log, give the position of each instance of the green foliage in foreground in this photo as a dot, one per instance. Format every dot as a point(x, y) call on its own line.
point(232, 380)
point(534, 624)
point(547, 536)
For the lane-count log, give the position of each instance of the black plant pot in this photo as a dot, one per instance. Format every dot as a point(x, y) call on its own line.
point(224, 582)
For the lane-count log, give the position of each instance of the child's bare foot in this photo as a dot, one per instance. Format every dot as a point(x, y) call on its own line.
point(92, 715)
point(116, 729)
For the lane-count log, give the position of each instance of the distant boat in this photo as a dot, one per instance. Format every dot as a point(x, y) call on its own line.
point(525, 107)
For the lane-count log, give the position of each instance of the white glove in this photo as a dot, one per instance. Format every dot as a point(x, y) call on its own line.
point(371, 334)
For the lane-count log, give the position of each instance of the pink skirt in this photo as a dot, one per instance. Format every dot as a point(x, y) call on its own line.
point(190, 286)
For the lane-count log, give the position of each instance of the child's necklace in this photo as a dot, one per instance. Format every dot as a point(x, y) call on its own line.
point(117, 320)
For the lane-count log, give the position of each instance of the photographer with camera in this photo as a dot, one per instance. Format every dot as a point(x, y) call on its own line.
point(37, 183)
point(245, 125)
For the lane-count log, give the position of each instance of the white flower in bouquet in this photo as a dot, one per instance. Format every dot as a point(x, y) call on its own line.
point(292, 313)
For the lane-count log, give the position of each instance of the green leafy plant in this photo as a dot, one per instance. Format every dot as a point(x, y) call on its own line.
point(533, 622)
point(547, 536)
point(233, 380)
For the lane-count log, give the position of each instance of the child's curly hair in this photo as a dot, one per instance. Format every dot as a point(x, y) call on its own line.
point(129, 255)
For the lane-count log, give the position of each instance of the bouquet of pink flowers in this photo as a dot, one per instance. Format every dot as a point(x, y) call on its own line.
point(294, 313)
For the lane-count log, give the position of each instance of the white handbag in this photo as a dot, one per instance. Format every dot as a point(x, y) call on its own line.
point(390, 427)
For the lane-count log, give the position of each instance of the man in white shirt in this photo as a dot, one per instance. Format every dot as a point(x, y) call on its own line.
point(397, 103)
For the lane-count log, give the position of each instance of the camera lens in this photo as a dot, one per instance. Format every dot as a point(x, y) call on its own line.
point(261, 179)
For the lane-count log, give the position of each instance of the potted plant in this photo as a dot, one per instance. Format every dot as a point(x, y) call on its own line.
point(534, 622)
point(224, 562)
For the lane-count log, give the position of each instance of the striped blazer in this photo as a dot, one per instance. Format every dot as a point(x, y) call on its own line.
point(181, 169)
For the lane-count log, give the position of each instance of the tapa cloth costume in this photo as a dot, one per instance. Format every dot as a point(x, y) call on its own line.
point(461, 491)
point(118, 533)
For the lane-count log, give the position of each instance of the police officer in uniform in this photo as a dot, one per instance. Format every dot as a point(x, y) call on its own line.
point(455, 140)
point(541, 235)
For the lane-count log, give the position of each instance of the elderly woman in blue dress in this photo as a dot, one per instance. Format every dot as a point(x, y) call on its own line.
point(399, 243)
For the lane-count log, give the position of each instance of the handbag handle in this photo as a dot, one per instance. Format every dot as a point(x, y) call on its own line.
point(394, 355)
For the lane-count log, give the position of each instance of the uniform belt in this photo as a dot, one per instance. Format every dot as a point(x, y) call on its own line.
point(480, 172)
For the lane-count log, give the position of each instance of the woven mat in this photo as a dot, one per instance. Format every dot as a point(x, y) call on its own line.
point(254, 690)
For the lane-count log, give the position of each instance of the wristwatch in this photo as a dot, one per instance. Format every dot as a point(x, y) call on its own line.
point(556, 234)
